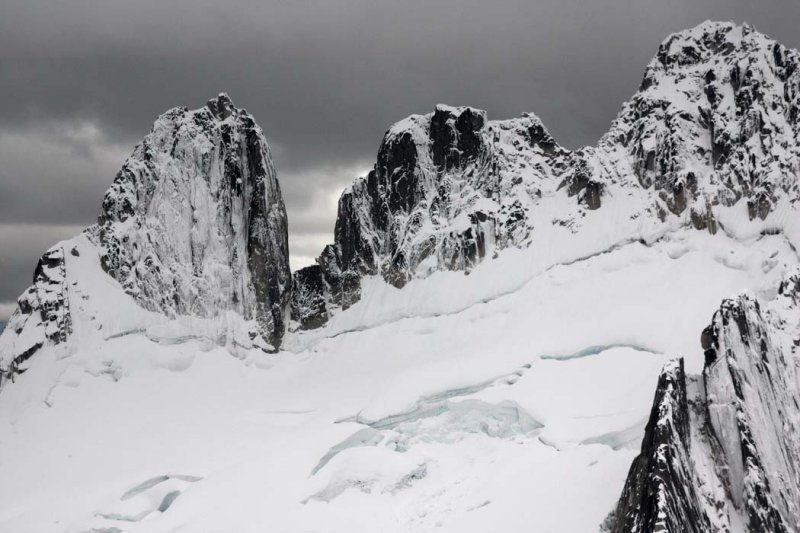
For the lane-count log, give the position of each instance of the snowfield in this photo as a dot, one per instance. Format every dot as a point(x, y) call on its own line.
point(454, 404)
point(478, 350)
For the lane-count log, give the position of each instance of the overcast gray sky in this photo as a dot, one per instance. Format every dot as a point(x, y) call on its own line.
point(82, 80)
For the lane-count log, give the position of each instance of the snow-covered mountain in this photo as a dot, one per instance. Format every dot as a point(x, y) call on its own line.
point(193, 225)
point(402, 394)
point(713, 128)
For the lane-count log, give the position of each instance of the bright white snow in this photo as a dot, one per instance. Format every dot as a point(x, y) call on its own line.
point(500, 399)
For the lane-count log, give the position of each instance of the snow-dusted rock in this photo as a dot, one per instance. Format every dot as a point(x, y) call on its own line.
point(660, 493)
point(193, 225)
point(715, 121)
point(448, 189)
point(42, 316)
point(713, 133)
point(733, 464)
point(509, 398)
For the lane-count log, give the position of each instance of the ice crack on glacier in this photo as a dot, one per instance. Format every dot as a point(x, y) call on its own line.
point(442, 421)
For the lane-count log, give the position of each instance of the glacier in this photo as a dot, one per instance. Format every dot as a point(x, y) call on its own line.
point(478, 349)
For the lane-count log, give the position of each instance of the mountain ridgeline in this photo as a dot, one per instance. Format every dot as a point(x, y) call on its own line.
point(193, 234)
point(713, 128)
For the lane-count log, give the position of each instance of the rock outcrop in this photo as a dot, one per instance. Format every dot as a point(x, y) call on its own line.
point(714, 127)
point(42, 316)
point(663, 467)
point(194, 224)
point(448, 190)
point(728, 458)
point(715, 121)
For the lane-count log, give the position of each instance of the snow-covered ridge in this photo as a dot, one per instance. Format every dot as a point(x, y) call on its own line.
point(715, 125)
point(726, 459)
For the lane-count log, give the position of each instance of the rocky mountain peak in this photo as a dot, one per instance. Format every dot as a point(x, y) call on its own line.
point(448, 189)
point(193, 225)
point(221, 107)
point(457, 135)
point(715, 121)
point(713, 129)
point(195, 222)
point(706, 40)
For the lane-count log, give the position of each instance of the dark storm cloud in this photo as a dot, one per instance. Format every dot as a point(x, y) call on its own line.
point(81, 82)
point(55, 173)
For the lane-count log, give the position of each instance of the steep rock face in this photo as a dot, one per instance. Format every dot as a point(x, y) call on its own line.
point(195, 224)
point(735, 466)
point(715, 126)
point(715, 121)
point(448, 190)
point(753, 403)
point(663, 467)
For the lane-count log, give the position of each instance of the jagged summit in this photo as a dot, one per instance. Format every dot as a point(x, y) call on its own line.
point(209, 225)
point(193, 225)
point(711, 133)
point(222, 106)
point(511, 397)
point(710, 38)
point(707, 38)
point(448, 189)
point(721, 450)
point(715, 121)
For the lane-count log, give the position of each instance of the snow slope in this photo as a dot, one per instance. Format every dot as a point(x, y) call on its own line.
point(460, 418)
point(420, 386)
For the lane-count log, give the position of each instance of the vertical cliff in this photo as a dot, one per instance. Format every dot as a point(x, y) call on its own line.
point(195, 222)
point(193, 225)
point(729, 458)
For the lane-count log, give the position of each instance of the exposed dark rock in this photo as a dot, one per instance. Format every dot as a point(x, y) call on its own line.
point(663, 468)
point(195, 224)
point(758, 206)
point(308, 303)
point(704, 220)
point(580, 183)
point(43, 309)
point(430, 170)
point(746, 424)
